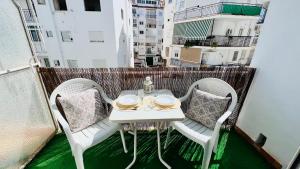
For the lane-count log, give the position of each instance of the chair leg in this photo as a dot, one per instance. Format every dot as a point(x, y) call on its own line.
point(78, 155)
point(123, 140)
point(216, 144)
point(168, 136)
point(206, 156)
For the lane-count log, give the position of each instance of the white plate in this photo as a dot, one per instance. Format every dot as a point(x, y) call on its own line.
point(128, 100)
point(165, 100)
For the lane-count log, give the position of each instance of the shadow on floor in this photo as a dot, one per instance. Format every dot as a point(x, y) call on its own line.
point(233, 153)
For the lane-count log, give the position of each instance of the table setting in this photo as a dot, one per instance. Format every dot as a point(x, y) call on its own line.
point(143, 106)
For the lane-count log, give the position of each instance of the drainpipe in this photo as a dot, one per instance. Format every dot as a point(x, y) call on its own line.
point(32, 49)
point(57, 32)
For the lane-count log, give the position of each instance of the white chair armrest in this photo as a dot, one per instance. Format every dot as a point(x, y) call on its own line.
point(224, 117)
point(219, 123)
point(103, 94)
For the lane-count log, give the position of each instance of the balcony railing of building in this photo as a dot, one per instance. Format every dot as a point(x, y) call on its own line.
point(29, 15)
point(216, 41)
point(228, 8)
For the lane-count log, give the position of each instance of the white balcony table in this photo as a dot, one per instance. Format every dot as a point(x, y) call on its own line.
point(146, 115)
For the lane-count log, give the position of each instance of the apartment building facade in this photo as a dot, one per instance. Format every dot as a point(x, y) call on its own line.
point(147, 32)
point(80, 33)
point(210, 32)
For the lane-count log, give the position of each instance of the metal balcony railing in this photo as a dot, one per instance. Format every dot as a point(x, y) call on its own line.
point(218, 8)
point(28, 15)
point(216, 41)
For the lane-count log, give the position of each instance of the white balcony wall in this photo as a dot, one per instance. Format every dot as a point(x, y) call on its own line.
point(272, 105)
point(25, 120)
point(221, 25)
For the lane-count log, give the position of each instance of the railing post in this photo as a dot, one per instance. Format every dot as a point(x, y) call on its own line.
point(185, 13)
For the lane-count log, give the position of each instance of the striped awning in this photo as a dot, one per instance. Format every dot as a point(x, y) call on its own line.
point(196, 30)
point(179, 29)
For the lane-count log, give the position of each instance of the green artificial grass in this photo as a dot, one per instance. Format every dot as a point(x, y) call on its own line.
point(233, 153)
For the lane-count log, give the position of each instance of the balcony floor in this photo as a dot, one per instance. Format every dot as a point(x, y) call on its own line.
point(233, 153)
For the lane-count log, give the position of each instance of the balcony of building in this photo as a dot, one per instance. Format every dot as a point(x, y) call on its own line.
point(29, 16)
point(215, 41)
point(222, 8)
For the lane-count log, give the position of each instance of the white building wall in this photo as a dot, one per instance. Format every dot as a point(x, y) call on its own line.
point(115, 51)
point(169, 11)
point(272, 105)
point(123, 32)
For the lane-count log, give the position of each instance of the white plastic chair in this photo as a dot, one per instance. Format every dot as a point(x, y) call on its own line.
point(197, 132)
point(88, 137)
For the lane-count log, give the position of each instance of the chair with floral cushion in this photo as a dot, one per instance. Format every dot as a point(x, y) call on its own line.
point(82, 137)
point(211, 103)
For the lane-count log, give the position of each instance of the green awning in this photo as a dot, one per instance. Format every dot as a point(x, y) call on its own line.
point(241, 10)
point(198, 30)
point(179, 29)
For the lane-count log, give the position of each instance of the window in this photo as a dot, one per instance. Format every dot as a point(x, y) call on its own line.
point(96, 36)
point(241, 32)
point(151, 26)
point(170, 1)
point(47, 62)
point(66, 36)
point(141, 23)
point(135, 43)
point(56, 63)
point(141, 32)
point(235, 55)
point(92, 5)
point(150, 13)
point(41, 2)
point(49, 33)
point(133, 11)
point(122, 14)
point(72, 63)
point(176, 55)
point(35, 35)
point(134, 23)
point(60, 5)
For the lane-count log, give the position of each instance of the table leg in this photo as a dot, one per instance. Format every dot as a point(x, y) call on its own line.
point(134, 147)
point(158, 146)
